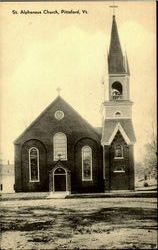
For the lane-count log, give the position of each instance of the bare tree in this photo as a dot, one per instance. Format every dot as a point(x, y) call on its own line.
point(150, 158)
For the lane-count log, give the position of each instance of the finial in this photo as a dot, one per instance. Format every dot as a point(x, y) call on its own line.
point(113, 8)
point(58, 90)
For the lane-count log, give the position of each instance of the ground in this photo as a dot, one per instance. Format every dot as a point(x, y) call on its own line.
point(92, 223)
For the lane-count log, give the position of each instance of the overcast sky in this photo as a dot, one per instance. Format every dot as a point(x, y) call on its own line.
point(41, 52)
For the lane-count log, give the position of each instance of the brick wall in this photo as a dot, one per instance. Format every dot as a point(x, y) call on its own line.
point(119, 180)
point(40, 135)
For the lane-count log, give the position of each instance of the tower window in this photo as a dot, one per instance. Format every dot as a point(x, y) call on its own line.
point(34, 164)
point(118, 114)
point(119, 169)
point(116, 91)
point(86, 163)
point(118, 151)
point(60, 147)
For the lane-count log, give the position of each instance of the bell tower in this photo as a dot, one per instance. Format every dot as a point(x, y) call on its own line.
point(118, 135)
point(118, 103)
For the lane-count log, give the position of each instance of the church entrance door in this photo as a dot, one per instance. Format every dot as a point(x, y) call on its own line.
point(60, 180)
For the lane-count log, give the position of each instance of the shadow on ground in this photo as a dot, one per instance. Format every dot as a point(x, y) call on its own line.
point(30, 219)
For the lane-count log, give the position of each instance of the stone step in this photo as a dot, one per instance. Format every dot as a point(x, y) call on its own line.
point(58, 195)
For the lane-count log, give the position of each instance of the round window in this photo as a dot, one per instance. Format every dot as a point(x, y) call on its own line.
point(59, 114)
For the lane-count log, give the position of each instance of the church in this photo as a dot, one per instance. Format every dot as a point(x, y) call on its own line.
point(61, 152)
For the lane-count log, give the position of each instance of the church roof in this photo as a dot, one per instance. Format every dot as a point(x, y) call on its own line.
point(115, 56)
point(99, 130)
point(111, 124)
point(61, 103)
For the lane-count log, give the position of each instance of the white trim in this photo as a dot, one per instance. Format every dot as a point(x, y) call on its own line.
point(115, 118)
point(118, 75)
point(118, 157)
point(54, 159)
point(118, 171)
point(38, 180)
point(103, 163)
point(112, 103)
point(118, 127)
point(60, 174)
point(90, 179)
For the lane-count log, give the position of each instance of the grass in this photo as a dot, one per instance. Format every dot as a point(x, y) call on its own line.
point(67, 226)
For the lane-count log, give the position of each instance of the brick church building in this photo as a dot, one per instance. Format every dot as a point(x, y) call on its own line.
point(60, 151)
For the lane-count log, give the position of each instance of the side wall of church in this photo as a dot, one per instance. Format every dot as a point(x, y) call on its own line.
point(17, 163)
point(132, 174)
point(96, 184)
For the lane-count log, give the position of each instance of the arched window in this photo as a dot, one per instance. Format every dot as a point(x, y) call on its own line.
point(34, 164)
point(117, 90)
point(60, 147)
point(118, 151)
point(86, 163)
point(118, 114)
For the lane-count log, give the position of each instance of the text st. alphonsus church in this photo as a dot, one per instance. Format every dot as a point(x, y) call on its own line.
point(60, 151)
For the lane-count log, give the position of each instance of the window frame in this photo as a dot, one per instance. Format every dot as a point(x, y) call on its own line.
point(38, 175)
point(116, 113)
point(54, 147)
point(122, 152)
point(119, 171)
point(91, 177)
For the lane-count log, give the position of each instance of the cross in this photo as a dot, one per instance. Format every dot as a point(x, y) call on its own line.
point(113, 6)
point(58, 90)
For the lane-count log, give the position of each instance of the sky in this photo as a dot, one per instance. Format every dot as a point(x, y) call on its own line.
point(41, 52)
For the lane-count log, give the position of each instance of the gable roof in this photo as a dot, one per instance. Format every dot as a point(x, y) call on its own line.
point(99, 130)
point(61, 103)
point(111, 126)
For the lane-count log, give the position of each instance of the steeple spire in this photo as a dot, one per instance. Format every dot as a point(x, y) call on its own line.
point(115, 57)
point(126, 64)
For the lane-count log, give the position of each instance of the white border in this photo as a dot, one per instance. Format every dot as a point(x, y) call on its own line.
point(38, 180)
point(83, 179)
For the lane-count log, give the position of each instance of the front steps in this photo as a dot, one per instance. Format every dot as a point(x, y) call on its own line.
point(58, 195)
